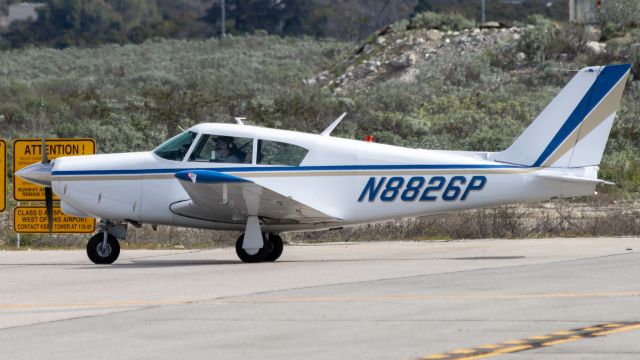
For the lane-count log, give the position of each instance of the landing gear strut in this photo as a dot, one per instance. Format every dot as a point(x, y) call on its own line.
point(103, 247)
point(271, 250)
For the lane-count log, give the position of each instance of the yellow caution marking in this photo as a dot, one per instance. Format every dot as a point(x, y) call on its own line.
point(497, 352)
point(613, 325)
point(536, 342)
point(592, 329)
point(563, 333)
point(620, 329)
point(513, 349)
point(540, 337)
point(561, 341)
point(463, 351)
point(515, 342)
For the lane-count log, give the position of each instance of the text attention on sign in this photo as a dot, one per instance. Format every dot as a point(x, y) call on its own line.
point(29, 151)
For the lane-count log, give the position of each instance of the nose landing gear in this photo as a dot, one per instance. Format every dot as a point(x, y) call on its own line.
point(103, 247)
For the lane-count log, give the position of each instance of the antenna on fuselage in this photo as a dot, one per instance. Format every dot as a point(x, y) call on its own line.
point(333, 125)
point(239, 120)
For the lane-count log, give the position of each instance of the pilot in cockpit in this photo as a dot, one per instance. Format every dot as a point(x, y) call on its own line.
point(226, 151)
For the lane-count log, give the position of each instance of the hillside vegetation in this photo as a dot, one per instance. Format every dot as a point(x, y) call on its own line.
point(133, 97)
point(435, 82)
point(466, 89)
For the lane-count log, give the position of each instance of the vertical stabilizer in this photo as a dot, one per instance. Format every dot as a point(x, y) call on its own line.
point(572, 130)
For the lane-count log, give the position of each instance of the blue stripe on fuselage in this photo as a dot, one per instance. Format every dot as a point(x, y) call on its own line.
point(287, 168)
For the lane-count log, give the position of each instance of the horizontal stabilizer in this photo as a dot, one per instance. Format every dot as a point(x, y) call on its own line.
point(574, 179)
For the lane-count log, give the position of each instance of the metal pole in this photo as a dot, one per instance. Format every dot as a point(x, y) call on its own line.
point(223, 15)
point(484, 16)
point(18, 234)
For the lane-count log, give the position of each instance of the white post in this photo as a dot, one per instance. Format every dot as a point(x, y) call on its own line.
point(223, 15)
point(18, 234)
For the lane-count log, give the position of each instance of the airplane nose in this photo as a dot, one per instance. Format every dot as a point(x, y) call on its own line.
point(37, 173)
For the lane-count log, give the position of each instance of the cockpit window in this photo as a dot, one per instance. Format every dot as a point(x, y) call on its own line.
point(279, 153)
point(225, 149)
point(177, 147)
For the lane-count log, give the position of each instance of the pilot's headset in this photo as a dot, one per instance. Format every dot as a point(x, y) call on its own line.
point(229, 141)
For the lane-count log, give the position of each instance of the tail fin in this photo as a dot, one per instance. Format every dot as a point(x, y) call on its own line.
point(572, 130)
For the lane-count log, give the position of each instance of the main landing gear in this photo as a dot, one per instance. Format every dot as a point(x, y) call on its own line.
point(271, 251)
point(255, 246)
point(103, 247)
point(252, 246)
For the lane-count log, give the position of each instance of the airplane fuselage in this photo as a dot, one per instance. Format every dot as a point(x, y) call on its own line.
point(265, 181)
point(354, 181)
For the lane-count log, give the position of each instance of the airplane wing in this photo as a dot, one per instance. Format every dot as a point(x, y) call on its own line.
point(220, 197)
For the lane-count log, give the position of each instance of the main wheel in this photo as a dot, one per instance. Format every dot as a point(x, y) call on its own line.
point(249, 258)
point(100, 254)
point(275, 249)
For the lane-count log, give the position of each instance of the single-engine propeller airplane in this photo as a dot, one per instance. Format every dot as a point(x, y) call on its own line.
point(265, 181)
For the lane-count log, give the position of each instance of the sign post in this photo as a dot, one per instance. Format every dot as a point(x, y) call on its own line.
point(3, 175)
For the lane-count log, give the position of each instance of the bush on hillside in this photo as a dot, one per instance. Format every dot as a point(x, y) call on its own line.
point(444, 22)
point(618, 15)
point(538, 38)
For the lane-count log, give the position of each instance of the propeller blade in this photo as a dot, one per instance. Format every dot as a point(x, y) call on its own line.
point(45, 159)
point(48, 200)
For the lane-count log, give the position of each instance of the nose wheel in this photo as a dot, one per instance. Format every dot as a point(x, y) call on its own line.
point(103, 248)
point(271, 250)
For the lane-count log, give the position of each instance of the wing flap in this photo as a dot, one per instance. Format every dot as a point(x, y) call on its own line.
point(221, 197)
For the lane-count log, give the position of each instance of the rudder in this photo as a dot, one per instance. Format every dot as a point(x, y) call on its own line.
point(572, 130)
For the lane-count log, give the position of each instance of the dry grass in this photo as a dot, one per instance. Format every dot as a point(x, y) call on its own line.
point(604, 216)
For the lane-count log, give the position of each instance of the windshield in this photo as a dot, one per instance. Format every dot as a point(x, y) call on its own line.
point(177, 147)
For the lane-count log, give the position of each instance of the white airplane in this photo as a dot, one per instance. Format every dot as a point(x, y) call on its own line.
point(265, 181)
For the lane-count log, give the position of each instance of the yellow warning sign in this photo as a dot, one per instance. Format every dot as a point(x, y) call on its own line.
point(3, 175)
point(29, 151)
point(33, 219)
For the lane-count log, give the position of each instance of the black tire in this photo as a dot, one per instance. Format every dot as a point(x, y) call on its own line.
point(277, 245)
point(103, 256)
point(257, 257)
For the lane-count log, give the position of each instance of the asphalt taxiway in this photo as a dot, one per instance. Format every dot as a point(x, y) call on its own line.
point(521, 299)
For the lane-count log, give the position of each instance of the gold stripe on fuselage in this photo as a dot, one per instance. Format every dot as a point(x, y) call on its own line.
point(320, 173)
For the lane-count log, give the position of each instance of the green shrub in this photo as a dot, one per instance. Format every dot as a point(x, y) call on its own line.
point(444, 22)
point(538, 37)
point(400, 25)
point(618, 15)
